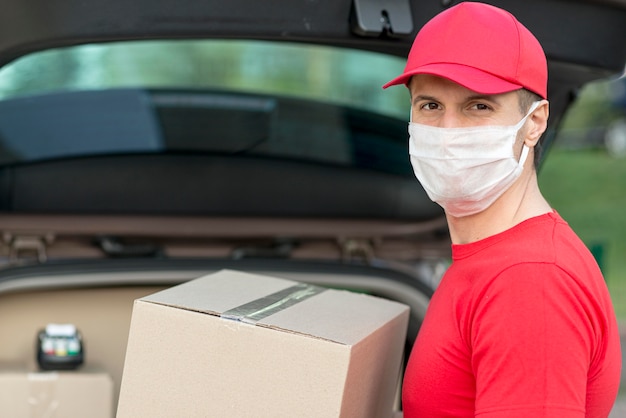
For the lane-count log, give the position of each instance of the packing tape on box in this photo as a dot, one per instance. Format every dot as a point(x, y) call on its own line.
point(254, 311)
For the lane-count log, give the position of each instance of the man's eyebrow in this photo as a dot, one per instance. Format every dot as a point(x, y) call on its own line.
point(486, 97)
point(423, 97)
point(483, 97)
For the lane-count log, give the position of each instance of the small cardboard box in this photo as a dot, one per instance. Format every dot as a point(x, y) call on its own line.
point(233, 344)
point(64, 394)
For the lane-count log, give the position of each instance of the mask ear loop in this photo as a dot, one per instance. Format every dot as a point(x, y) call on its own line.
point(523, 156)
point(533, 107)
point(526, 148)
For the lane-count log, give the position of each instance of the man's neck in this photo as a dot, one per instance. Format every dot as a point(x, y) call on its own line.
point(519, 203)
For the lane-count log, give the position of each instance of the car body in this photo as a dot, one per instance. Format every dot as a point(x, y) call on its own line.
point(112, 190)
point(615, 134)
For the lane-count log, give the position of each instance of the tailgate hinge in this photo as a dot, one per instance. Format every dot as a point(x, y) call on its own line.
point(27, 247)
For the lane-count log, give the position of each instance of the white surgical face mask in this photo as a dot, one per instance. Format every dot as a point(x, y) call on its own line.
point(466, 169)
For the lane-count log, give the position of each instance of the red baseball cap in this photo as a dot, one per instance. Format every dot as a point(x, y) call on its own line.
point(481, 47)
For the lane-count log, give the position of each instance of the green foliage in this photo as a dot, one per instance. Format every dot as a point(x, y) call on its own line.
point(587, 188)
point(593, 107)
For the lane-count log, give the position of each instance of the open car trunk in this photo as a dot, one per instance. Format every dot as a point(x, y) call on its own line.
point(88, 227)
point(98, 299)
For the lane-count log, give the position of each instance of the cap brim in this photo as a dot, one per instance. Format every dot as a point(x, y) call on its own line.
point(468, 77)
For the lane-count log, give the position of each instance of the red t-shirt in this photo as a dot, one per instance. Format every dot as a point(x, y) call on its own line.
point(521, 325)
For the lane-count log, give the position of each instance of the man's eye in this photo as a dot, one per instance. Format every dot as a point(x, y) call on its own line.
point(481, 106)
point(430, 106)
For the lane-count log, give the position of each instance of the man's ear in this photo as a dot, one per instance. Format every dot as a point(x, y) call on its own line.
point(538, 123)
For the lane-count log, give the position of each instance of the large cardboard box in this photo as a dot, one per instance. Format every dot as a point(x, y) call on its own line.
point(233, 344)
point(67, 394)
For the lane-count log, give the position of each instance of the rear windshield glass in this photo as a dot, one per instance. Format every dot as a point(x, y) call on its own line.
point(289, 100)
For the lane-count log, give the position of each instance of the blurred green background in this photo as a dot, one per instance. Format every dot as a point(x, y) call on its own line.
point(584, 179)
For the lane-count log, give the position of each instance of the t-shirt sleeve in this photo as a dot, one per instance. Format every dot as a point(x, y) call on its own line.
point(531, 332)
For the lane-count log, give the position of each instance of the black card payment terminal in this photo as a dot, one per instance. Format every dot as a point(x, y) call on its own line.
point(59, 347)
